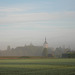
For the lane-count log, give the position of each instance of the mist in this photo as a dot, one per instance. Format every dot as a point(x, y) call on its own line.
point(25, 22)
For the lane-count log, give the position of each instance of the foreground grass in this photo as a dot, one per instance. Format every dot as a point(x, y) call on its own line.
point(37, 67)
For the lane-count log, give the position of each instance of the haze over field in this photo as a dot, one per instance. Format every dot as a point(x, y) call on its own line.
point(29, 21)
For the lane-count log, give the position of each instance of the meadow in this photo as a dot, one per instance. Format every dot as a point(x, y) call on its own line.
point(37, 66)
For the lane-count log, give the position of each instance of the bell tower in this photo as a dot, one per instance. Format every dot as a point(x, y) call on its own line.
point(45, 44)
point(45, 50)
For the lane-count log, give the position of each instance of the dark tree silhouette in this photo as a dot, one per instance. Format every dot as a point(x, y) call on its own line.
point(45, 52)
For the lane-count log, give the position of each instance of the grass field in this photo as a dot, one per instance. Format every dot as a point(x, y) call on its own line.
point(37, 66)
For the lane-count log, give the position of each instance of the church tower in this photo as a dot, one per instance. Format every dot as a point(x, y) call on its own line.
point(45, 50)
point(45, 44)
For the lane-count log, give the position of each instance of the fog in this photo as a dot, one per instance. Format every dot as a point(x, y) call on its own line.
point(24, 22)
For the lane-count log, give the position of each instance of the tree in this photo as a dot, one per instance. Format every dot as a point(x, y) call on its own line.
point(8, 48)
point(45, 52)
point(69, 54)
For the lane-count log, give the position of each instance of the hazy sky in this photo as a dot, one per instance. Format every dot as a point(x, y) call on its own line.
point(30, 21)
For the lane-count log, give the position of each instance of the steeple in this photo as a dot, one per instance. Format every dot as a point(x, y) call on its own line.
point(45, 41)
point(45, 44)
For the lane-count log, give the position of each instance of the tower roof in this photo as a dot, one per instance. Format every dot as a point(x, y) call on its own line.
point(45, 41)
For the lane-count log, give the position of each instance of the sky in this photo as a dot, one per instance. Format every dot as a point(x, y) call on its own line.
point(30, 21)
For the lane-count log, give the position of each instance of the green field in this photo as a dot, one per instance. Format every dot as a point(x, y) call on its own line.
point(37, 66)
